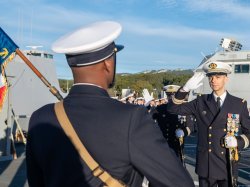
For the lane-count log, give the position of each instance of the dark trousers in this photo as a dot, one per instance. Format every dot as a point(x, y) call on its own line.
point(207, 182)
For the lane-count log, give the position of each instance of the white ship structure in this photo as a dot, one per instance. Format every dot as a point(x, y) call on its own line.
point(26, 93)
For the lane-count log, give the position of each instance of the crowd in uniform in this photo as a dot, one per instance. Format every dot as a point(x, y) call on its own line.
point(169, 124)
point(138, 143)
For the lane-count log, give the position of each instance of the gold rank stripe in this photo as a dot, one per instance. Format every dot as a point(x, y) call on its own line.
point(246, 141)
point(178, 101)
point(188, 130)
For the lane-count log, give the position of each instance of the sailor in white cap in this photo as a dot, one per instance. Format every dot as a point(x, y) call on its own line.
point(122, 139)
point(140, 101)
point(223, 125)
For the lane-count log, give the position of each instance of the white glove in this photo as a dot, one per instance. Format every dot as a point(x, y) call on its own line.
point(147, 97)
point(194, 82)
point(179, 133)
point(230, 142)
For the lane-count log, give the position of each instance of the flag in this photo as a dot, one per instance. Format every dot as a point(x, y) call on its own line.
point(7, 47)
point(3, 90)
point(7, 53)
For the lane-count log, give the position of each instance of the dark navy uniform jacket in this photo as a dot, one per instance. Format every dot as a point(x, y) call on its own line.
point(122, 138)
point(211, 155)
point(169, 123)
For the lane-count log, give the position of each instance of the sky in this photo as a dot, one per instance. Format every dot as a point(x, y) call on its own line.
point(157, 34)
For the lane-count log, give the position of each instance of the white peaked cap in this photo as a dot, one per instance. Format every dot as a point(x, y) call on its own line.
point(89, 44)
point(88, 38)
point(216, 67)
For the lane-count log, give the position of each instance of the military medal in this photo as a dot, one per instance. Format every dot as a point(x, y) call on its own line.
point(233, 123)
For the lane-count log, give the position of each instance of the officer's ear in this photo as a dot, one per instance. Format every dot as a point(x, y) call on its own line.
point(226, 79)
point(108, 64)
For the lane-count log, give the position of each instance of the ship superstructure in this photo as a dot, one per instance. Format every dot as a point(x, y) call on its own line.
point(26, 93)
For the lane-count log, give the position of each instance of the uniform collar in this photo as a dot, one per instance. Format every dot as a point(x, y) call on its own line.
point(222, 97)
point(89, 84)
point(88, 89)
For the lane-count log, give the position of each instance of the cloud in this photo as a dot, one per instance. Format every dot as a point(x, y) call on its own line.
point(234, 8)
point(172, 31)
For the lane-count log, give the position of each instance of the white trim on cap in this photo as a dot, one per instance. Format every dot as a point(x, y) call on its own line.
point(95, 62)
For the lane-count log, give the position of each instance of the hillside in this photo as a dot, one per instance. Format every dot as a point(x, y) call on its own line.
point(153, 80)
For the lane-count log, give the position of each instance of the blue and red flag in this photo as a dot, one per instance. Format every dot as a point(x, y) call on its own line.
point(7, 53)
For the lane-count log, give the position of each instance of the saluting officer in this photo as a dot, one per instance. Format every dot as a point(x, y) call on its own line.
point(214, 113)
point(171, 124)
point(121, 138)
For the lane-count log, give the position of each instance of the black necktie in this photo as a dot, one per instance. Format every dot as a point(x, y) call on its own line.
point(218, 103)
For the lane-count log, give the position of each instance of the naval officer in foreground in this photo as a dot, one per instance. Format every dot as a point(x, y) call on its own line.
point(223, 125)
point(122, 139)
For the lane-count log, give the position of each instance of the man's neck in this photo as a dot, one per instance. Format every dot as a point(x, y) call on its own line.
point(219, 92)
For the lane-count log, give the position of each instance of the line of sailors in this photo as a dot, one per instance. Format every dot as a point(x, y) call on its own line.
point(174, 127)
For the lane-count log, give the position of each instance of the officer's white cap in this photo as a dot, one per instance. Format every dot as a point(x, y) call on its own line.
point(139, 98)
point(89, 44)
point(216, 67)
point(171, 88)
point(127, 96)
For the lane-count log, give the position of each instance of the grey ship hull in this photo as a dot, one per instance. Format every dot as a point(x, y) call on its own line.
point(26, 94)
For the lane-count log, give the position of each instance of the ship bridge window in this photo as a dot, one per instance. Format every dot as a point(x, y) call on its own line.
point(48, 56)
point(35, 54)
point(241, 68)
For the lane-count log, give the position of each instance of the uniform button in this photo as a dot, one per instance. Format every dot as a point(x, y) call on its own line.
point(210, 127)
point(224, 130)
point(222, 152)
point(210, 150)
point(167, 134)
point(167, 129)
point(176, 125)
point(210, 135)
point(210, 142)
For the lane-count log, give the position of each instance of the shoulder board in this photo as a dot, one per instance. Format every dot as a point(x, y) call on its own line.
point(243, 100)
point(199, 94)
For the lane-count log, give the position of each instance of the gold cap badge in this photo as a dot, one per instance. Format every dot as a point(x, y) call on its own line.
point(212, 66)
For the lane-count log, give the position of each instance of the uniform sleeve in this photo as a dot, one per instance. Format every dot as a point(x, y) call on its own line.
point(151, 155)
point(34, 172)
point(243, 139)
point(189, 108)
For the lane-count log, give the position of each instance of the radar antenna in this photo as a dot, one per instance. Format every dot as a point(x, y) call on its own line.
point(230, 44)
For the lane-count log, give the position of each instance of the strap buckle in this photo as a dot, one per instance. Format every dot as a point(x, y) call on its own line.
point(97, 171)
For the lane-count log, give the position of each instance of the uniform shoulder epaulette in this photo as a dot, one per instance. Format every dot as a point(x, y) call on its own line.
point(199, 94)
point(243, 100)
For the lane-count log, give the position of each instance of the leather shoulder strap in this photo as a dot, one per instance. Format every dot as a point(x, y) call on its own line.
point(97, 171)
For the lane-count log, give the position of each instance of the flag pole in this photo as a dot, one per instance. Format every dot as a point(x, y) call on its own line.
point(52, 89)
